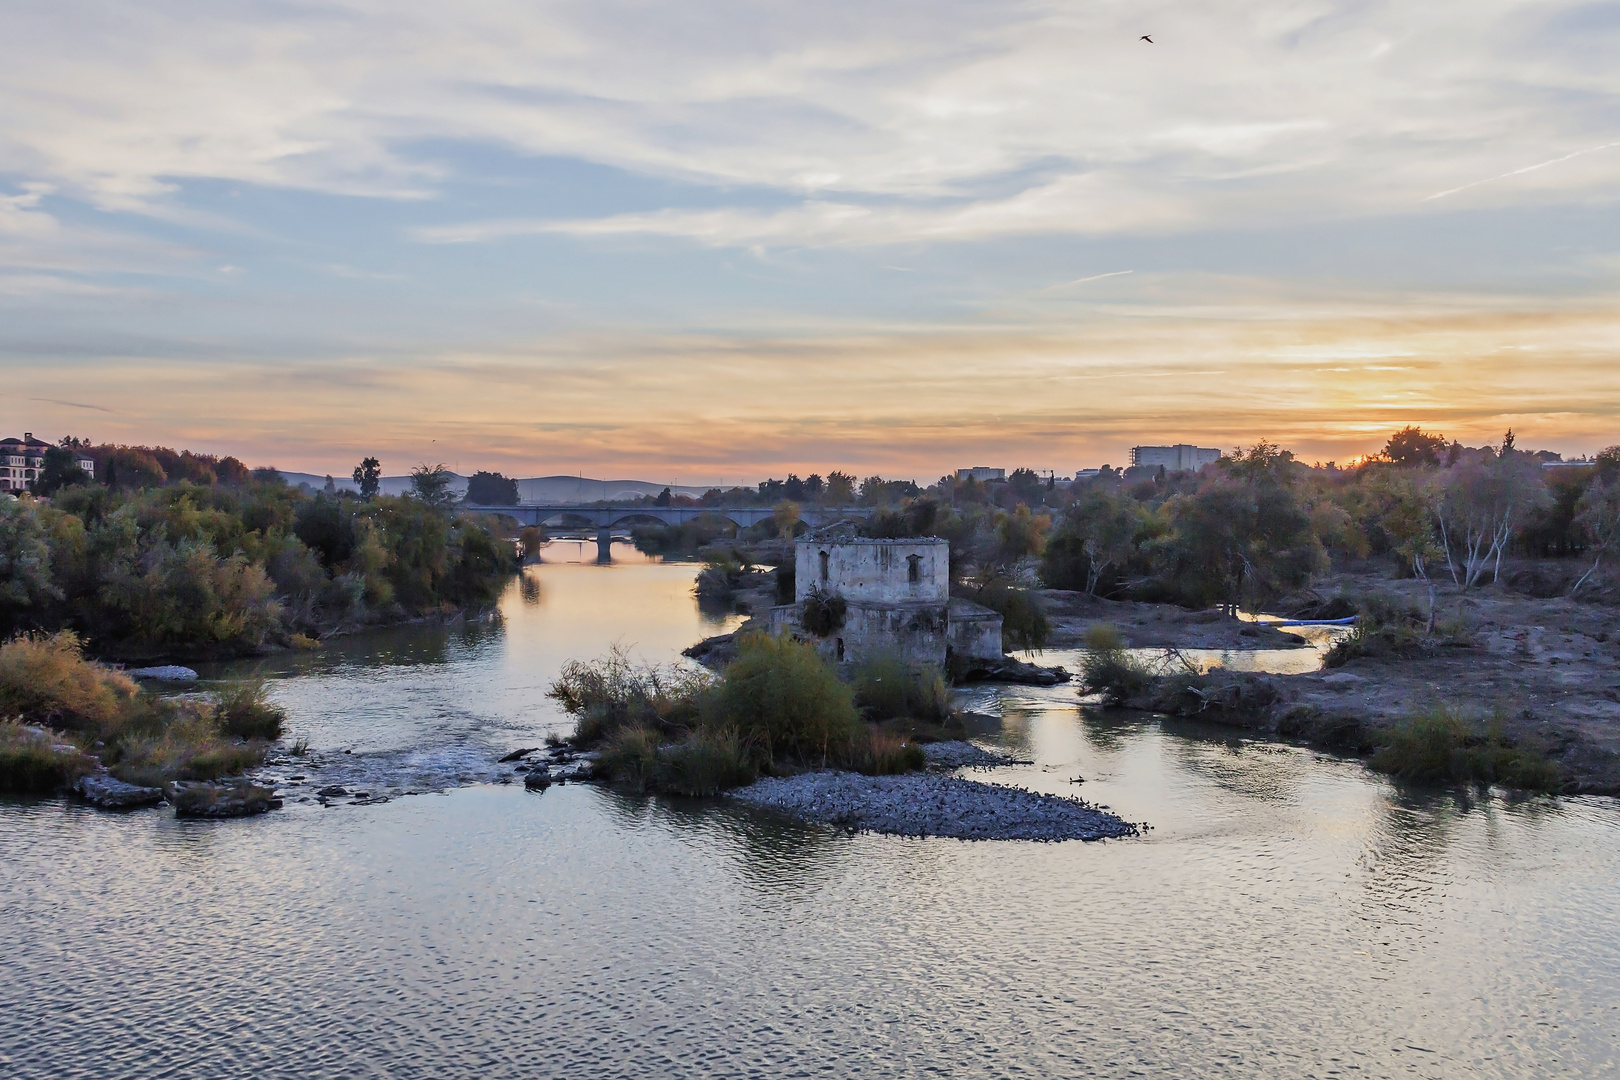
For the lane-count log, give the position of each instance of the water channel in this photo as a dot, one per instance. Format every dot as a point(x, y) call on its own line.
point(1289, 914)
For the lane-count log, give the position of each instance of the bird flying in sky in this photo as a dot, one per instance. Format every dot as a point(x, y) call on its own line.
point(1145, 38)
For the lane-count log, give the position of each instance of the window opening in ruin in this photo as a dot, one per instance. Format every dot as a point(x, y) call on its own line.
point(914, 568)
point(824, 566)
point(840, 649)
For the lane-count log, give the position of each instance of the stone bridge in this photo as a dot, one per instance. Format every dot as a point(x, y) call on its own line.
point(605, 518)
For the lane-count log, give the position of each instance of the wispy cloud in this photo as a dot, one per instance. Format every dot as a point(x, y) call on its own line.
point(1523, 171)
point(1083, 280)
point(72, 404)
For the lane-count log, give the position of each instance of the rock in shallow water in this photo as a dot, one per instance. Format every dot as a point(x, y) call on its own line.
point(539, 778)
point(227, 799)
point(111, 793)
point(165, 673)
point(922, 804)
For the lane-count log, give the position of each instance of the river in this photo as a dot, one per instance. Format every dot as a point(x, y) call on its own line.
point(1288, 914)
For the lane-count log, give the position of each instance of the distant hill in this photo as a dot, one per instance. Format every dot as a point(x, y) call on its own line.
point(584, 489)
point(534, 489)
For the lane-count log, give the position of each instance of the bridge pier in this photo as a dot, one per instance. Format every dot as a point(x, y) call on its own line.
point(604, 545)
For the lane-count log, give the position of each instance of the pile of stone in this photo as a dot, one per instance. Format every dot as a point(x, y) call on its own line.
point(928, 804)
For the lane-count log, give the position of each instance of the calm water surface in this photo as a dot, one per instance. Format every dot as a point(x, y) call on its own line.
point(1288, 915)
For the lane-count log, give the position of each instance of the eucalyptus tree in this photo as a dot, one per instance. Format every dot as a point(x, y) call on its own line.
point(1481, 504)
point(1598, 512)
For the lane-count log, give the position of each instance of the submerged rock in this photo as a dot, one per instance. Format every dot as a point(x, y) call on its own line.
point(164, 673)
point(539, 778)
point(111, 793)
point(713, 652)
point(1008, 670)
point(925, 804)
point(225, 799)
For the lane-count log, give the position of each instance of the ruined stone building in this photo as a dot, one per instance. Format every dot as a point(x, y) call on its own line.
point(890, 596)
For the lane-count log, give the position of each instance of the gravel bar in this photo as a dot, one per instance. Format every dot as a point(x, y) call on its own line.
point(928, 804)
point(959, 754)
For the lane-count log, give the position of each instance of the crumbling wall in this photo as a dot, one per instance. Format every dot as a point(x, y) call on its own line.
point(914, 570)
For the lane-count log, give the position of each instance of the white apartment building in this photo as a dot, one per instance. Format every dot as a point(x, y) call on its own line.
point(22, 459)
point(1182, 457)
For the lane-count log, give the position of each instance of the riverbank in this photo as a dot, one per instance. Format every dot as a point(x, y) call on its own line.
point(1540, 671)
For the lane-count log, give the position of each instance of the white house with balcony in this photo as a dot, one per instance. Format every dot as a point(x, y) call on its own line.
point(22, 460)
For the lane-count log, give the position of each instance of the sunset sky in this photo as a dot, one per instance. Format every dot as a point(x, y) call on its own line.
point(711, 241)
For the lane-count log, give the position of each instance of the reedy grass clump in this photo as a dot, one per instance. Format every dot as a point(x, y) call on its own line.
point(704, 763)
point(1108, 669)
point(1441, 747)
point(613, 692)
point(32, 762)
point(881, 753)
point(186, 745)
point(246, 712)
point(887, 688)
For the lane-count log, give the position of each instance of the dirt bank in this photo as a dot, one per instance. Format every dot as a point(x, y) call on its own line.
point(1155, 626)
point(1546, 669)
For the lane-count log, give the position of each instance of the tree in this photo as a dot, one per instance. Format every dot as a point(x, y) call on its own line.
point(1410, 524)
point(532, 539)
point(491, 489)
point(431, 484)
point(1412, 446)
point(1598, 513)
point(1482, 502)
point(786, 517)
point(840, 489)
point(664, 498)
point(368, 474)
point(1027, 484)
point(1020, 533)
point(132, 467)
point(1105, 525)
point(1235, 541)
point(61, 469)
point(25, 565)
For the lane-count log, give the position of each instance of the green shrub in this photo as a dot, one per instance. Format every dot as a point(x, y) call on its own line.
point(1108, 669)
point(783, 700)
point(32, 762)
point(886, 688)
point(46, 679)
point(1440, 746)
point(246, 712)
